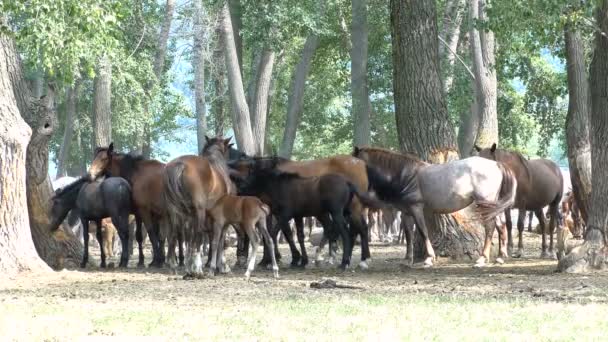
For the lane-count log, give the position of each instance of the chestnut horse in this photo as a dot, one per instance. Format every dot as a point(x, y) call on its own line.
point(352, 169)
point(540, 183)
point(193, 185)
point(444, 188)
point(146, 179)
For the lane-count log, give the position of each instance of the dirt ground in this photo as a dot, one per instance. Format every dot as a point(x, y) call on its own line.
point(524, 299)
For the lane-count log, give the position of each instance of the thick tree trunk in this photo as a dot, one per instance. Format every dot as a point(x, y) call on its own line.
point(450, 35)
point(577, 120)
point(469, 126)
point(421, 113)
point(102, 113)
point(158, 68)
point(359, 90)
point(251, 85)
point(236, 19)
point(295, 101)
point(592, 253)
point(17, 251)
point(198, 64)
point(259, 108)
point(219, 86)
point(68, 133)
point(482, 49)
point(240, 112)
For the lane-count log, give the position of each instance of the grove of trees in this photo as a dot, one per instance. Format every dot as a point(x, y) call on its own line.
point(301, 79)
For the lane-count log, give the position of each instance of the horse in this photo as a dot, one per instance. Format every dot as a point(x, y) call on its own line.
point(72, 221)
point(540, 183)
point(193, 185)
point(146, 179)
point(327, 197)
point(442, 188)
point(247, 213)
point(351, 168)
point(95, 201)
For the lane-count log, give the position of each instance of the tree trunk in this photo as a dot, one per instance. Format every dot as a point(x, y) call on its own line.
point(469, 126)
point(16, 246)
point(577, 120)
point(482, 49)
point(251, 85)
point(198, 64)
point(450, 34)
point(423, 124)
point(102, 93)
point(158, 68)
point(359, 90)
point(592, 253)
point(236, 19)
point(295, 101)
point(240, 112)
point(268, 150)
point(219, 86)
point(68, 133)
point(259, 109)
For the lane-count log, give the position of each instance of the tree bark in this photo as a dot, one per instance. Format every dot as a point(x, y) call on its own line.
point(259, 109)
point(577, 120)
point(482, 49)
point(198, 64)
point(68, 133)
point(450, 34)
point(469, 126)
point(359, 90)
point(592, 253)
point(16, 246)
point(102, 99)
point(219, 86)
point(295, 101)
point(423, 124)
point(240, 112)
point(236, 19)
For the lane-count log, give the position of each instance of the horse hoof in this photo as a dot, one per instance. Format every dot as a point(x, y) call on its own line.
point(428, 262)
point(83, 265)
point(247, 275)
point(481, 262)
point(211, 273)
point(500, 261)
point(363, 265)
point(141, 265)
point(546, 255)
point(225, 270)
point(343, 267)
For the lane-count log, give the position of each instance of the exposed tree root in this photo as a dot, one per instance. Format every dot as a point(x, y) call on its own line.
point(592, 254)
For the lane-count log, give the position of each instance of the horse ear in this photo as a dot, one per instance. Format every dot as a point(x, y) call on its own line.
point(230, 145)
point(493, 148)
point(111, 148)
point(356, 151)
point(207, 138)
point(227, 141)
point(477, 148)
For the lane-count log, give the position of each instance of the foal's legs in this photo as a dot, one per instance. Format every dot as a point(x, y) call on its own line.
point(340, 225)
point(99, 236)
point(268, 241)
point(541, 221)
point(300, 233)
point(218, 226)
point(249, 228)
point(521, 218)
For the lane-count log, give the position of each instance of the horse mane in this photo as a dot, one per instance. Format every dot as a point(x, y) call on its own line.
point(70, 188)
point(389, 160)
point(218, 163)
point(128, 164)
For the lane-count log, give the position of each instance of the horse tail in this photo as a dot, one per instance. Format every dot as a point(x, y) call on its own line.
point(506, 196)
point(265, 208)
point(382, 185)
point(365, 198)
point(176, 195)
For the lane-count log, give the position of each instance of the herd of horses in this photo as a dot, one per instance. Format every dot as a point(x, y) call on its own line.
point(189, 202)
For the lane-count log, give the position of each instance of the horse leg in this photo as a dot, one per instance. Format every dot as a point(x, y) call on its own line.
point(417, 211)
point(223, 267)
point(99, 236)
point(487, 244)
point(140, 239)
point(268, 241)
point(509, 231)
point(340, 225)
point(554, 211)
point(154, 241)
point(287, 233)
point(407, 227)
point(249, 228)
point(300, 233)
point(180, 247)
point(530, 217)
point(502, 241)
point(273, 231)
point(521, 218)
point(541, 221)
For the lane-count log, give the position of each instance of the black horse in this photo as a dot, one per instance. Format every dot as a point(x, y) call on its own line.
point(93, 202)
point(326, 197)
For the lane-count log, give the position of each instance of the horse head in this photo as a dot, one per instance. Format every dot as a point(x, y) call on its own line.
point(64, 200)
point(217, 146)
point(101, 161)
point(488, 153)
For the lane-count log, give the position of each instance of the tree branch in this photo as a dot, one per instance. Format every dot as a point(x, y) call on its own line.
point(457, 57)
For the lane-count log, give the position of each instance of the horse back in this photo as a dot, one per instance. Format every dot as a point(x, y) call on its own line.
point(204, 184)
point(351, 168)
point(543, 186)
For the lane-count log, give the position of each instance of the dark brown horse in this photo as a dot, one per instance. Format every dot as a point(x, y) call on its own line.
point(353, 169)
point(540, 183)
point(146, 180)
point(443, 189)
point(192, 186)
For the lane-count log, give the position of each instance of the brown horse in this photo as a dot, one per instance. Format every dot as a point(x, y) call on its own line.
point(146, 180)
point(443, 189)
point(353, 169)
point(245, 213)
point(192, 186)
point(540, 183)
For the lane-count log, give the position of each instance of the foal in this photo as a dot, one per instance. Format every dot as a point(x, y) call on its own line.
point(246, 213)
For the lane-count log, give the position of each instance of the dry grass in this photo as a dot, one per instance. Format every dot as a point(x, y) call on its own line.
point(523, 300)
